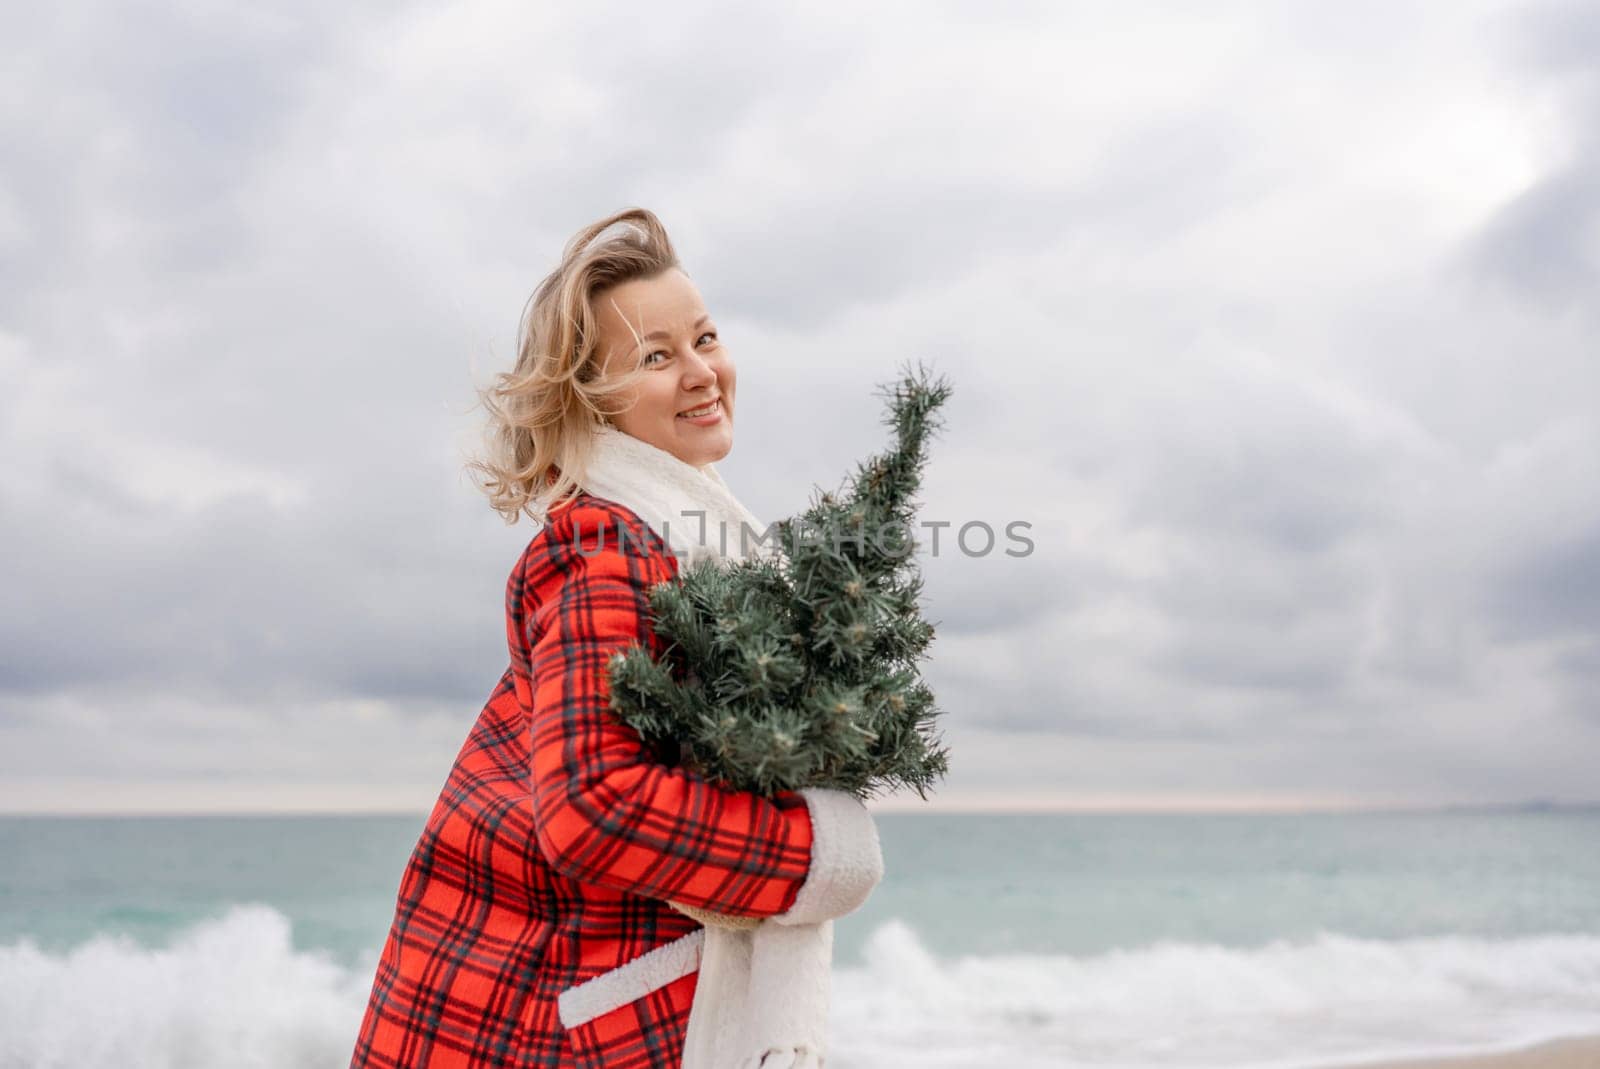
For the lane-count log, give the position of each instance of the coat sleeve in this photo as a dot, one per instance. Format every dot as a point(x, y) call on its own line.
point(605, 812)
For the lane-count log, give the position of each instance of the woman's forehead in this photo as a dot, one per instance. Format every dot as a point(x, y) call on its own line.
point(655, 306)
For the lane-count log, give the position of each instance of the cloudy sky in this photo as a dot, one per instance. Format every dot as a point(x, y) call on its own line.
point(1277, 322)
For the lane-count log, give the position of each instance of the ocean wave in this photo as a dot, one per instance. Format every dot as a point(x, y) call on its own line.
point(228, 992)
point(233, 991)
point(1282, 1005)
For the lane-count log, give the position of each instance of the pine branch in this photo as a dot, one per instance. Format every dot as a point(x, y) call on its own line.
point(802, 671)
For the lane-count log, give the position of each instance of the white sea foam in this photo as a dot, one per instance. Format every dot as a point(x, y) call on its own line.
point(1284, 1004)
point(230, 992)
point(233, 992)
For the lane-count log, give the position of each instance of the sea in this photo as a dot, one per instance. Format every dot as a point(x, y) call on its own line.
point(1106, 940)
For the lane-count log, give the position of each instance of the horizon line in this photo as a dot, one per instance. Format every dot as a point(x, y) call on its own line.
point(932, 807)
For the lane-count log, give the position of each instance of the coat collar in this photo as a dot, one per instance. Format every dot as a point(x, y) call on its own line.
point(671, 495)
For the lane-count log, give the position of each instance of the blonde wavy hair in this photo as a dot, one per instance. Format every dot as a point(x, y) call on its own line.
point(542, 413)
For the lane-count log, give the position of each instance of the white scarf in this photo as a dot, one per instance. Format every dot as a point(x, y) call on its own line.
point(691, 508)
point(761, 1000)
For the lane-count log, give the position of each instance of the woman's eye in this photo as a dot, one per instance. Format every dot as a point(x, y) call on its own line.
point(664, 354)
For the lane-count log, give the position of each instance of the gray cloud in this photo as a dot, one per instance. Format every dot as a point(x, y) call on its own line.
point(1555, 592)
point(1545, 243)
point(1282, 348)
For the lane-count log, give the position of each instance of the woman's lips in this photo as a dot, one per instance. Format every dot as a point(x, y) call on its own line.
point(708, 419)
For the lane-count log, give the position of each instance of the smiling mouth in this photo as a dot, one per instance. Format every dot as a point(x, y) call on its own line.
point(703, 410)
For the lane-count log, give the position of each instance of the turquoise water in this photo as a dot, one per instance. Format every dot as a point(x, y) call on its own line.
point(1105, 940)
point(970, 883)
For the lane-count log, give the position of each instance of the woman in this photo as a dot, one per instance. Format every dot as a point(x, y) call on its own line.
point(538, 919)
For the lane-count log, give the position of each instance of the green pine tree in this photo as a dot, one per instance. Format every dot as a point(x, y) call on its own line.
point(802, 671)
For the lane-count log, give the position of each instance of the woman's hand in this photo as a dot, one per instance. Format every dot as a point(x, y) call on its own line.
point(846, 865)
point(846, 858)
point(716, 920)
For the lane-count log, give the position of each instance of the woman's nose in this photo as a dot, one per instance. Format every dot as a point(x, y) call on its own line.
point(696, 368)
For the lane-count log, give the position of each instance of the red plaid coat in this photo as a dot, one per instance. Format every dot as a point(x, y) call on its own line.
point(557, 838)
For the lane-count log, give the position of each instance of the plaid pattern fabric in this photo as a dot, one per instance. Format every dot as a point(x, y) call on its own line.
point(558, 836)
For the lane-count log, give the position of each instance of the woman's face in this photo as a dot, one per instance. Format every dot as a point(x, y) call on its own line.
point(663, 324)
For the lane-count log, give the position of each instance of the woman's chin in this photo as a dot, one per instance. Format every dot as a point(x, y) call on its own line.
point(707, 444)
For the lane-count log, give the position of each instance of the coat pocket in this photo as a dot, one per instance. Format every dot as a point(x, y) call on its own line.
point(634, 1016)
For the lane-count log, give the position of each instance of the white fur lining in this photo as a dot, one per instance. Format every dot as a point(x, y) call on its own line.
point(691, 508)
point(630, 981)
point(846, 858)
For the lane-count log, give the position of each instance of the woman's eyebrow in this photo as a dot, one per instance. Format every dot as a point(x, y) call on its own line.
point(655, 335)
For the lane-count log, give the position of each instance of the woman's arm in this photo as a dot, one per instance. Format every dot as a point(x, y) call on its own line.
point(606, 814)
